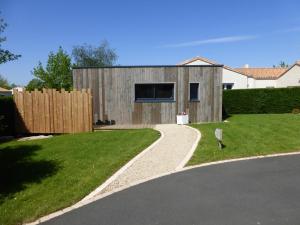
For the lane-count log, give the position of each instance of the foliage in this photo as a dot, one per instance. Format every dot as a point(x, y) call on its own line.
point(42, 176)
point(249, 101)
point(6, 116)
point(35, 84)
point(90, 56)
point(5, 84)
point(5, 55)
point(248, 135)
point(296, 111)
point(281, 64)
point(57, 73)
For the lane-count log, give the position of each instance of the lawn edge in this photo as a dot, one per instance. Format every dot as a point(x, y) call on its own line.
point(192, 150)
point(93, 196)
point(296, 152)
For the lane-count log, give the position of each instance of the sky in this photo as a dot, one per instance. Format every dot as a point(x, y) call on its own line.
point(259, 33)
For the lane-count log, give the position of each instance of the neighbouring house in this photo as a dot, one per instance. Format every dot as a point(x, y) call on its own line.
point(153, 94)
point(18, 88)
point(247, 77)
point(5, 92)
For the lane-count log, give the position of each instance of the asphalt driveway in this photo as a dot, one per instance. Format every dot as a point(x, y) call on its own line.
point(256, 192)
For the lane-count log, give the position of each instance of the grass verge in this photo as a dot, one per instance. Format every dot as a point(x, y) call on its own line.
point(248, 135)
point(39, 177)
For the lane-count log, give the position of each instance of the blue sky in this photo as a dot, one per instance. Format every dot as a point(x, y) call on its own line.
point(259, 33)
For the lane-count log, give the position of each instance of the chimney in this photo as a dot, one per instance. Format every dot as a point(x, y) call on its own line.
point(246, 66)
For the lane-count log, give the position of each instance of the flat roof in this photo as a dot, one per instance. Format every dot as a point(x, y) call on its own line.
point(143, 66)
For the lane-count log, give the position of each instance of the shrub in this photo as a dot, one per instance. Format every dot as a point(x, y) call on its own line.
point(250, 101)
point(7, 116)
point(296, 111)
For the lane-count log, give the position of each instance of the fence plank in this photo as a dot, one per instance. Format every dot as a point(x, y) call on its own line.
point(51, 111)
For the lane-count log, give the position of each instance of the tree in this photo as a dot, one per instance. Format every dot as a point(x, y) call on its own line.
point(89, 56)
point(4, 83)
point(281, 64)
point(57, 73)
point(34, 84)
point(5, 55)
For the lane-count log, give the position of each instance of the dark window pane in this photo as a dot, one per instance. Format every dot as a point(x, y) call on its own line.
point(164, 91)
point(144, 91)
point(229, 86)
point(154, 92)
point(194, 90)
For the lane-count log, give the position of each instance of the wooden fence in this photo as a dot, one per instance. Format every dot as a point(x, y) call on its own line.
point(51, 111)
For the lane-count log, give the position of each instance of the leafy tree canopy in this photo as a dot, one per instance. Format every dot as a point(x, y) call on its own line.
point(56, 74)
point(89, 56)
point(5, 55)
point(35, 84)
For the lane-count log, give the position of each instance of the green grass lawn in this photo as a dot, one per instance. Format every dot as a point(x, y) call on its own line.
point(39, 177)
point(249, 135)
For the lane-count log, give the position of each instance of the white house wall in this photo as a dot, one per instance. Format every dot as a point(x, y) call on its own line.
point(290, 78)
point(239, 80)
point(264, 84)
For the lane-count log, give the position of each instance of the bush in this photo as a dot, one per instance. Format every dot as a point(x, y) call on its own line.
point(296, 111)
point(250, 101)
point(7, 113)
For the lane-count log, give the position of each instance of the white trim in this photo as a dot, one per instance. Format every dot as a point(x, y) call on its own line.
point(192, 150)
point(240, 159)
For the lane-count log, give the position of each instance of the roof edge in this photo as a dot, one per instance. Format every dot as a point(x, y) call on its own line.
point(211, 62)
point(143, 66)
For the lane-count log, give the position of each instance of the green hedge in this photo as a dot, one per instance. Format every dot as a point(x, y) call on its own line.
point(6, 116)
point(272, 100)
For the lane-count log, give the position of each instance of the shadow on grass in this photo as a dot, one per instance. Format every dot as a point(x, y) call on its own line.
point(17, 168)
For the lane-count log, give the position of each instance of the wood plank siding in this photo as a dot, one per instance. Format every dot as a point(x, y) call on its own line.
point(113, 91)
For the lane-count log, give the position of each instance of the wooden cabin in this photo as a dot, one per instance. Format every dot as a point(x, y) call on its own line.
point(153, 94)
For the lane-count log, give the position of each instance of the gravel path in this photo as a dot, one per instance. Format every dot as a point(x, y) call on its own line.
point(164, 157)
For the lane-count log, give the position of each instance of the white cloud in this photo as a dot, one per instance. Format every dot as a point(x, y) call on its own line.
point(211, 41)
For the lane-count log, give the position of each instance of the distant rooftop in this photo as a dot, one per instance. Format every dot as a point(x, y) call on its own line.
point(257, 73)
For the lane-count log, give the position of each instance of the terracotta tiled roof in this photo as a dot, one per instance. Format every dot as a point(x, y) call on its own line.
point(263, 73)
point(209, 62)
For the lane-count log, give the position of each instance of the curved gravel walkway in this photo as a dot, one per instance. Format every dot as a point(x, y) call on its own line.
point(170, 153)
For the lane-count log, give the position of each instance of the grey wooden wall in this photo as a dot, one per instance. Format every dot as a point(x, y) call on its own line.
point(114, 95)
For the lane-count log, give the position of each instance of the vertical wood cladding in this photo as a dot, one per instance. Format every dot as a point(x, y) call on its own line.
point(114, 96)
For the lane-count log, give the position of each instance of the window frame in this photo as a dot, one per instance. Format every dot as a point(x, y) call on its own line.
point(199, 96)
point(154, 100)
